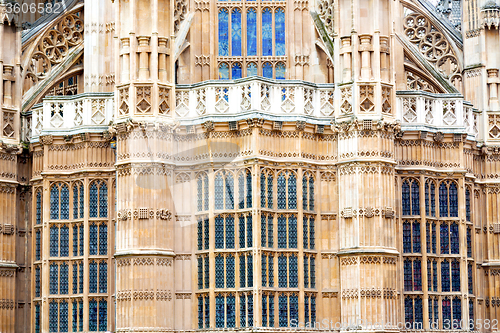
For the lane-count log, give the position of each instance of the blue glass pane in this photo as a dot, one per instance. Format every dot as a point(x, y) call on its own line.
point(294, 309)
point(264, 310)
point(37, 318)
point(92, 315)
point(75, 202)
point(264, 270)
point(80, 278)
point(282, 271)
point(417, 275)
point(292, 192)
point(39, 207)
point(279, 23)
point(408, 310)
point(250, 310)
point(54, 279)
point(231, 311)
point(271, 311)
point(93, 277)
point(406, 237)
point(262, 190)
point(249, 270)
point(454, 239)
point(242, 231)
point(81, 235)
point(230, 272)
point(293, 271)
point(103, 315)
point(75, 278)
point(445, 276)
point(93, 200)
point(283, 311)
point(229, 195)
point(443, 200)
point(415, 199)
point(427, 200)
point(81, 201)
point(219, 192)
point(457, 311)
point(37, 282)
point(416, 237)
point(54, 203)
point(435, 275)
point(469, 242)
point(445, 249)
point(103, 200)
point(270, 238)
point(64, 241)
point(219, 232)
point(103, 277)
point(282, 232)
point(271, 271)
point(453, 200)
point(408, 283)
point(243, 280)
point(80, 316)
point(103, 239)
point(207, 272)
point(267, 70)
point(306, 272)
point(207, 312)
point(455, 275)
point(200, 312)
point(93, 239)
point(63, 287)
point(53, 307)
point(471, 310)
point(267, 33)
point(405, 202)
point(467, 204)
point(75, 240)
point(305, 197)
point(236, 71)
point(433, 199)
point(243, 311)
point(249, 231)
point(263, 231)
point(236, 34)
point(206, 233)
point(63, 316)
point(64, 202)
point(249, 189)
point(292, 232)
point(54, 241)
point(270, 191)
point(281, 191)
point(223, 32)
point(229, 232)
point(38, 245)
point(252, 35)
point(74, 316)
point(446, 305)
point(219, 311)
point(219, 272)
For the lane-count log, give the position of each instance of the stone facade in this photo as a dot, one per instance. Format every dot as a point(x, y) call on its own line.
point(200, 165)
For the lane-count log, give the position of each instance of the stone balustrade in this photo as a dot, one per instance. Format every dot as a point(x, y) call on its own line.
point(71, 114)
point(490, 15)
point(286, 98)
point(439, 111)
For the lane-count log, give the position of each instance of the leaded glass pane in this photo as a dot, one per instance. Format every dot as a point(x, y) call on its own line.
point(243, 311)
point(206, 233)
point(93, 239)
point(54, 202)
point(63, 278)
point(199, 185)
point(435, 275)
point(75, 202)
point(282, 232)
point(469, 279)
point(93, 277)
point(54, 279)
point(53, 312)
point(241, 190)
point(63, 316)
point(405, 200)
point(252, 35)
point(81, 201)
point(271, 271)
point(93, 200)
point(205, 189)
point(406, 237)
point(270, 230)
point(103, 277)
point(280, 69)
point(469, 242)
point(415, 199)
point(306, 272)
point(416, 237)
point(207, 312)
point(427, 200)
point(219, 232)
point(200, 234)
point(236, 35)
point(419, 313)
point(54, 241)
point(455, 275)
point(467, 204)
point(81, 235)
point(80, 278)
point(249, 189)
point(251, 69)
point(264, 310)
point(270, 191)
point(283, 311)
point(445, 241)
point(292, 192)
point(219, 311)
point(313, 272)
point(417, 275)
point(92, 315)
point(231, 311)
point(75, 240)
point(39, 207)
point(446, 305)
point(264, 270)
point(64, 241)
point(249, 231)
point(263, 231)
point(305, 227)
point(38, 244)
point(37, 318)
point(243, 279)
point(223, 32)
point(282, 271)
point(250, 310)
point(267, 70)
point(200, 273)
point(429, 275)
point(454, 239)
point(242, 231)
point(267, 33)
point(80, 316)
point(200, 312)
point(408, 283)
point(229, 232)
point(292, 232)
point(230, 272)
point(103, 239)
point(294, 309)
point(306, 309)
point(74, 316)
point(433, 199)
point(445, 276)
point(37, 282)
point(103, 315)
point(471, 311)
point(262, 190)
point(229, 192)
point(219, 271)
point(75, 278)
point(311, 192)
point(293, 271)
point(434, 242)
point(219, 192)
point(271, 311)
point(305, 197)
point(443, 200)
point(249, 270)
point(313, 309)
point(103, 200)
point(453, 200)
point(408, 310)
point(207, 272)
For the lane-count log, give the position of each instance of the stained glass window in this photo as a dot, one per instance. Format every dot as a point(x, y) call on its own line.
point(53, 316)
point(280, 70)
point(417, 275)
point(469, 242)
point(39, 207)
point(63, 316)
point(63, 287)
point(430, 197)
point(267, 32)
point(435, 275)
point(434, 242)
point(251, 69)
point(405, 201)
point(415, 199)
point(445, 241)
point(467, 204)
point(92, 315)
point(280, 31)
point(236, 34)
point(103, 277)
point(64, 250)
point(445, 276)
point(93, 239)
point(457, 311)
point(470, 279)
point(103, 315)
point(455, 275)
point(223, 71)
point(453, 200)
point(408, 310)
point(37, 281)
point(408, 283)
point(406, 237)
point(443, 200)
point(471, 311)
point(223, 32)
point(267, 70)
point(454, 239)
point(54, 241)
point(37, 244)
point(93, 277)
point(433, 200)
point(54, 202)
point(252, 34)
point(429, 275)
point(416, 236)
point(103, 239)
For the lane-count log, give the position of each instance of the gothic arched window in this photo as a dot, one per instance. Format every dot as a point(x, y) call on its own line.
point(287, 190)
point(78, 205)
point(245, 189)
point(448, 199)
point(280, 71)
point(203, 190)
point(223, 32)
point(430, 198)
point(98, 199)
point(266, 189)
point(224, 190)
point(410, 197)
point(59, 202)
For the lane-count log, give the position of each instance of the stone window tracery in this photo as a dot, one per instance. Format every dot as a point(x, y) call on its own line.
point(266, 189)
point(98, 199)
point(246, 270)
point(225, 310)
point(98, 314)
point(411, 197)
point(287, 231)
point(288, 270)
point(288, 309)
point(411, 237)
point(59, 201)
point(267, 270)
point(245, 189)
point(413, 310)
point(412, 274)
point(268, 309)
point(59, 241)
point(267, 230)
point(448, 199)
point(224, 190)
point(224, 270)
point(246, 310)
